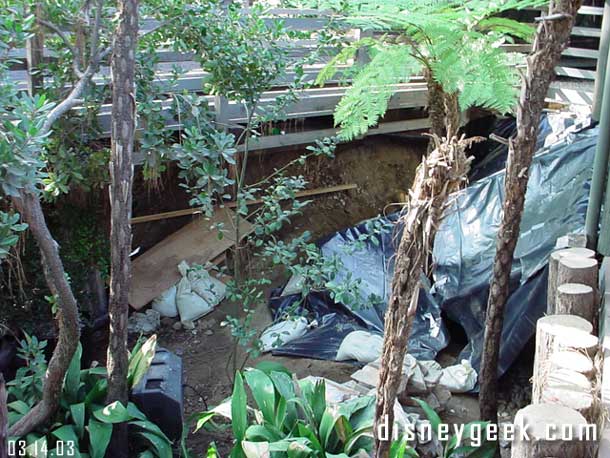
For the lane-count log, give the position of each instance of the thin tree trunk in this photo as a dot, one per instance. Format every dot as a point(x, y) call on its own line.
point(28, 204)
point(439, 174)
point(121, 175)
point(3, 419)
point(436, 108)
point(551, 39)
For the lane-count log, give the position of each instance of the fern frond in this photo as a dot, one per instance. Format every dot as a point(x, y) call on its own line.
point(507, 26)
point(367, 99)
point(346, 54)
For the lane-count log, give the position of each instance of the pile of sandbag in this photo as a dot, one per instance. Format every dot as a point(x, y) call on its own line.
point(195, 295)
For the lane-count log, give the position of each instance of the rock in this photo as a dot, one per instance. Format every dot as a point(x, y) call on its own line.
point(207, 324)
point(443, 395)
point(188, 325)
point(423, 428)
point(145, 323)
point(177, 326)
point(432, 372)
point(167, 321)
point(417, 383)
point(433, 402)
point(208, 332)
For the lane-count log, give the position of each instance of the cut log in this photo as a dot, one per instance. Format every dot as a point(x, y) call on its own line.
point(556, 333)
point(576, 299)
point(570, 389)
point(575, 361)
point(577, 270)
point(545, 425)
point(554, 267)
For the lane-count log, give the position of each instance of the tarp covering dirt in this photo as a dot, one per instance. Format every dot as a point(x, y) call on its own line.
point(463, 255)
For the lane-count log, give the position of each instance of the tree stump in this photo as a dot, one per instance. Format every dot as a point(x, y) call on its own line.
point(575, 361)
point(576, 299)
point(545, 425)
point(556, 333)
point(554, 267)
point(570, 389)
point(577, 270)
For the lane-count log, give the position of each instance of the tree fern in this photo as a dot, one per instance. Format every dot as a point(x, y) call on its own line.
point(366, 100)
point(458, 41)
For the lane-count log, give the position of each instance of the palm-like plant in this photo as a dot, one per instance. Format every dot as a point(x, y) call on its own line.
point(455, 44)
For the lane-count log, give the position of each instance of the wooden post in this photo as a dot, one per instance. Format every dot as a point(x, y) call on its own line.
point(3, 419)
point(540, 421)
point(573, 360)
point(554, 267)
point(34, 48)
point(556, 333)
point(570, 389)
point(576, 299)
point(578, 270)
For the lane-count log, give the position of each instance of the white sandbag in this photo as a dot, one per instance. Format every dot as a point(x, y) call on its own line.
point(165, 303)
point(208, 287)
point(362, 346)
point(282, 332)
point(190, 305)
point(460, 378)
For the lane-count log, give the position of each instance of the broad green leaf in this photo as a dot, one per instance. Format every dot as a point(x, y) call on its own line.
point(99, 437)
point(97, 393)
point(19, 407)
point(262, 433)
point(140, 361)
point(432, 416)
point(299, 450)
point(203, 419)
point(263, 392)
point(162, 448)
point(149, 426)
point(307, 433)
point(113, 413)
point(67, 434)
point(256, 449)
point(78, 416)
point(133, 410)
point(239, 414)
point(72, 377)
point(367, 431)
point(37, 446)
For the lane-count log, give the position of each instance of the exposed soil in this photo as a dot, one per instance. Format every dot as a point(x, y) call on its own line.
point(383, 169)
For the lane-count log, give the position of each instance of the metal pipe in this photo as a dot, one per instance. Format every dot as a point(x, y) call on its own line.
point(604, 46)
point(600, 164)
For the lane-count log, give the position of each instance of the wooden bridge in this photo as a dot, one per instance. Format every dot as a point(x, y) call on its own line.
point(310, 117)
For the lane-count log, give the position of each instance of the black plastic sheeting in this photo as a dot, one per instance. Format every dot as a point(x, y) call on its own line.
point(463, 255)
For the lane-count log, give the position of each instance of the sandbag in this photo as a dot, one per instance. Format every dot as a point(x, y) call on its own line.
point(206, 286)
point(362, 346)
point(165, 303)
point(460, 378)
point(282, 332)
point(190, 305)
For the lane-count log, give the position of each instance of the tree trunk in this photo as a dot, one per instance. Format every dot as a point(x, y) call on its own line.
point(121, 174)
point(3, 419)
point(439, 174)
point(551, 39)
point(28, 205)
point(436, 108)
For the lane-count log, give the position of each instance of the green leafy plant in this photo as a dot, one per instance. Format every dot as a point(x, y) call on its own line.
point(10, 227)
point(83, 424)
point(451, 448)
point(455, 44)
point(291, 418)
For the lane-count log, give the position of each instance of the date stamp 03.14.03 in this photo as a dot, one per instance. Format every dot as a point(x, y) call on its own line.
point(20, 447)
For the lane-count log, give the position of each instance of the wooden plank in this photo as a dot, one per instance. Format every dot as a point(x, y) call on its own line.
point(156, 270)
point(581, 52)
point(575, 73)
point(301, 138)
point(193, 211)
point(586, 32)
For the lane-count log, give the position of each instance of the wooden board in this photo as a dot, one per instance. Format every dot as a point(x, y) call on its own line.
point(157, 269)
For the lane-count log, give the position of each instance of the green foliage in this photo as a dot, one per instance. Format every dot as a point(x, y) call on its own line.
point(10, 227)
point(83, 424)
point(367, 98)
point(451, 448)
point(292, 418)
point(457, 41)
